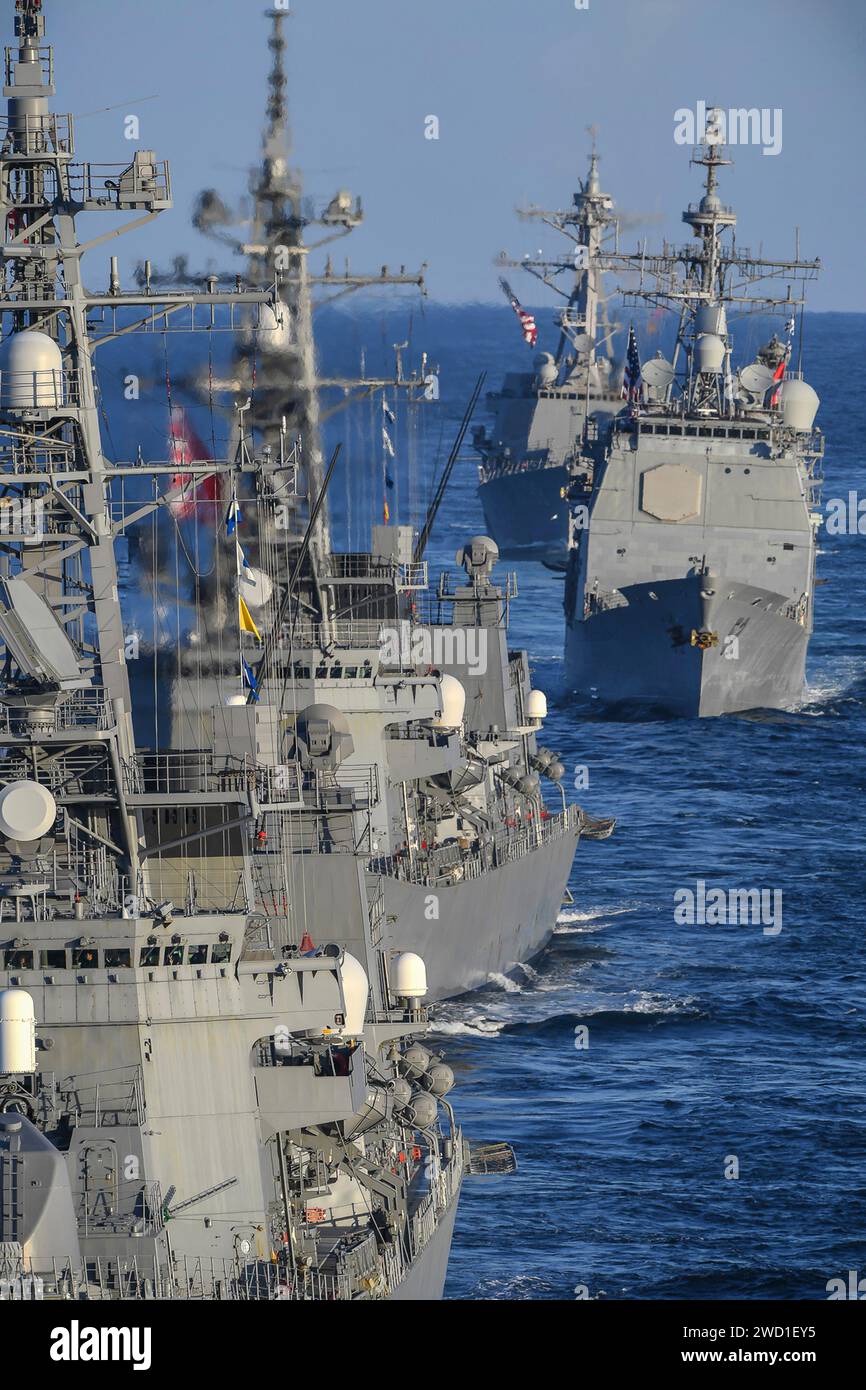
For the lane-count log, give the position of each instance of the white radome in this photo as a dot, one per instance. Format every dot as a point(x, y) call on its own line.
point(356, 990)
point(536, 705)
point(409, 976)
point(17, 1031)
point(27, 811)
point(453, 703)
point(32, 371)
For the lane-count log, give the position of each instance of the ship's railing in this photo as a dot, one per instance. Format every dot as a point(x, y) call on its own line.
point(120, 184)
point(450, 864)
point(41, 457)
point(56, 388)
point(192, 1278)
point(352, 632)
point(89, 708)
point(184, 772)
point(27, 135)
point(413, 576)
point(359, 779)
point(449, 584)
point(44, 57)
point(67, 774)
point(138, 1278)
point(102, 1104)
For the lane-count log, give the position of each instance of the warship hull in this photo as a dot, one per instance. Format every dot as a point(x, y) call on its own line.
point(425, 1280)
point(642, 652)
point(485, 927)
point(527, 516)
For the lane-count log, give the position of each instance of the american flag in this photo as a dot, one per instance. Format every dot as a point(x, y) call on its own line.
point(527, 320)
point(631, 381)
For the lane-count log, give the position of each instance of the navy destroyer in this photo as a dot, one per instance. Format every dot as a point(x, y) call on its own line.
point(691, 577)
point(429, 716)
point(211, 1084)
point(539, 417)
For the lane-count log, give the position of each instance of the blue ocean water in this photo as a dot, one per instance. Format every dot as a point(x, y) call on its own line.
point(707, 1044)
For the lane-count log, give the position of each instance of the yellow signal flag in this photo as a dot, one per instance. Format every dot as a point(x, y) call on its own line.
point(246, 620)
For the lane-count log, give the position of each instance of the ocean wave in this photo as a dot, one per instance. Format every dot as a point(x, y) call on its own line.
point(480, 1026)
point(574, 920)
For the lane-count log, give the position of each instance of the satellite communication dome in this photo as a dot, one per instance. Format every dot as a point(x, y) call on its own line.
point(32, 375)
point(756, 379)
point(27, 811)
point(410, 976)
point(536, 705)
point(657, 376)
point(453, 703)
point(799, 405)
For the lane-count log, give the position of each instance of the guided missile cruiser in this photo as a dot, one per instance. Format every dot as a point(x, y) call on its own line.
point(693, 518)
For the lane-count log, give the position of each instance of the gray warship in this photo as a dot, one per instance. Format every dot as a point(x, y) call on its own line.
point(539, 416)
point(432, 718)
point(211, 1079)
point(691, 577)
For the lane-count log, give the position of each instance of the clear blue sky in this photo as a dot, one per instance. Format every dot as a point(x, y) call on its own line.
point(514, 84)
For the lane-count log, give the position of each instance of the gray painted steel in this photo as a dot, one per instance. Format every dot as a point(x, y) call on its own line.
point(691, 575)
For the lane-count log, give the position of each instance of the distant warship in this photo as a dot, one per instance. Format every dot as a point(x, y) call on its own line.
point(539, 417)
point(691, 577)
point(211, 1084)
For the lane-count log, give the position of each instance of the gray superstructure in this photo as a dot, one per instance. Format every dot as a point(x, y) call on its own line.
point(210, 1079)
point(539, 416)
point(448, 818)
point(691, 578)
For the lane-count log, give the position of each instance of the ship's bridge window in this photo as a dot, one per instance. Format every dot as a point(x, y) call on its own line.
point(351, 673)
point(149, 955)
point(337, 673)
point(19, 960)
point(302, 673)
point(691, 429)
point(221, 952)
point(118, 956)
point(85, 958)
point(172, 955)
point(54, 960)
point(749, 434)
point(321, 672)
point(704, 432)
point(198, 955)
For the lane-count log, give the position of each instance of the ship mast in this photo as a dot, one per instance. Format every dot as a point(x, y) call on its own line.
point(65, 703)
point(278, 368)
point(588, 224)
